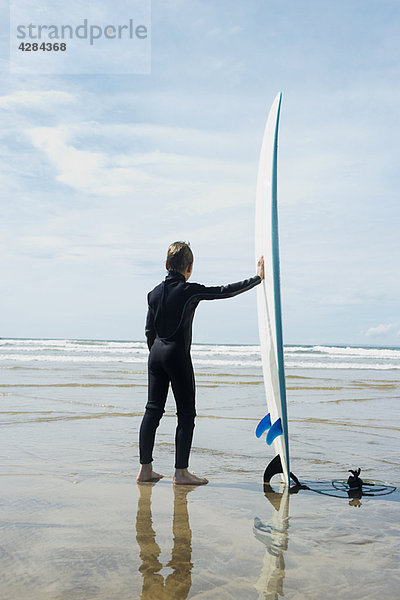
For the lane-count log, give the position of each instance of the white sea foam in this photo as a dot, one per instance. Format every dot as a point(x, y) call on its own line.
point(37, 346)
point(65, 358)
point(240, 351)
point(340, 365)
point(227, 363)
point(296, 357)
point(361, 352)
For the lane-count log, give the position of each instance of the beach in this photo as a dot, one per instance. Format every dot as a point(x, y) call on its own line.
point(75, 525)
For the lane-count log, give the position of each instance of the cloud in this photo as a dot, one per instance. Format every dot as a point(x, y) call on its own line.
point(36, 98)
point(214, 31)
point(379, 330)
point(110, 163)
point(84, 170)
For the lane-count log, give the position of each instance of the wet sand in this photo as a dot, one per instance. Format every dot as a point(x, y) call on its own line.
point(108, 538)
point(76, 526)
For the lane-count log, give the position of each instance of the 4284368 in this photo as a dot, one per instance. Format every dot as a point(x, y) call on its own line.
point(44, 47)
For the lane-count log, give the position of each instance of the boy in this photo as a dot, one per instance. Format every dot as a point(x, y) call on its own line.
point(169, 335)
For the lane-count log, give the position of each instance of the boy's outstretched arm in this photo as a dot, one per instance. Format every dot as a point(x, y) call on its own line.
point(232, 289)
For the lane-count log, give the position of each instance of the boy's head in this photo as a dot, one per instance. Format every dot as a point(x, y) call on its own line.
point(179, 257)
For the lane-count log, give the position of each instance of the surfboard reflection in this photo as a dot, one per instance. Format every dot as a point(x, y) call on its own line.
point(275, 536)
point(178, 583)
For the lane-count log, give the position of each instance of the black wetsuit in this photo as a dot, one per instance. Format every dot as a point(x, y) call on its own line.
point(169, 335)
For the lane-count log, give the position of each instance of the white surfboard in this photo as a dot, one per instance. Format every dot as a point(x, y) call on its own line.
point(269, 300)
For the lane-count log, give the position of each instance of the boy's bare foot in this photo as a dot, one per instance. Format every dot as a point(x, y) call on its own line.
point(146, 473)
point(183, 477)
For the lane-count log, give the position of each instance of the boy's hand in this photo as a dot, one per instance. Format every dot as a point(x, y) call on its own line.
point(260, 267)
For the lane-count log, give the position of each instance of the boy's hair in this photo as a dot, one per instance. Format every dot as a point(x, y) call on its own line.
point(179, 257)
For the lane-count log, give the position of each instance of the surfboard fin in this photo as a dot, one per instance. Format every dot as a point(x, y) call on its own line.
point(274, 431)
point(275, 467)
point(263, 425)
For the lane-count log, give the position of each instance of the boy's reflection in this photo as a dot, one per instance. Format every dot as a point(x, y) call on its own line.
point(177, 585)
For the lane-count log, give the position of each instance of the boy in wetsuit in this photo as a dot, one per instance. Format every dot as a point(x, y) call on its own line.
point(172, 305)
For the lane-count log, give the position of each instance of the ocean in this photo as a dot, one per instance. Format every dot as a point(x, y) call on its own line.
point(343, 406)
point(72, 522)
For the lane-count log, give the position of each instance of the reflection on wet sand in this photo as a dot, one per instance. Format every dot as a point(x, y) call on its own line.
point(275, 537)
point(178, 583)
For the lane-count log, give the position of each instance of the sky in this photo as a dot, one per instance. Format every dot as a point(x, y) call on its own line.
point(101, 172)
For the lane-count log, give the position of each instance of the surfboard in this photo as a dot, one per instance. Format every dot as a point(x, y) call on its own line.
point(269, 300)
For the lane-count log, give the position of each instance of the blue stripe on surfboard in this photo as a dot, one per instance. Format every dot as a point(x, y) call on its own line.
point(277, 292)
point(263, 425)
point(274, 431)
